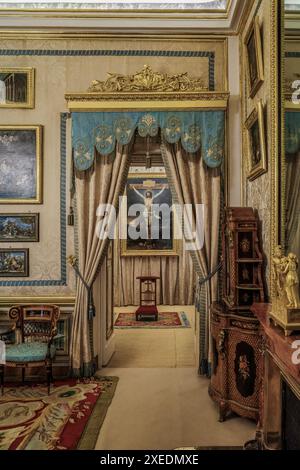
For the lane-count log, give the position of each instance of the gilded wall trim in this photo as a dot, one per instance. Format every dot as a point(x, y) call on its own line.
point(275, 129)
point(45, 299)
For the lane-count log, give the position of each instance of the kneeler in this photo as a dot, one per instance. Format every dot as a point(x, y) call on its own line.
point(147, 310)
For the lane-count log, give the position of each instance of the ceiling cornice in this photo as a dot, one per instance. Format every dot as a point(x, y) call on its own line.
point(37, 24)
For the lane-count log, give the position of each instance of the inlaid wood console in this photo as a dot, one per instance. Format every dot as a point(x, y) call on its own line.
point(236, 364)
point(237, 361)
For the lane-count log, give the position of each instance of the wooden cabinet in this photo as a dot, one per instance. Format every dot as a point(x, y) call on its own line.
point(243, 261)
point(237, 361)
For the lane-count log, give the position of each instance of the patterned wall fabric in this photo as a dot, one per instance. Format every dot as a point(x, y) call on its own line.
point(201, 129)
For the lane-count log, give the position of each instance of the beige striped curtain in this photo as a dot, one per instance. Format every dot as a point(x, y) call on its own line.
point(101, 185)
point(195, 183)
point(293, 203)
point(176, 273)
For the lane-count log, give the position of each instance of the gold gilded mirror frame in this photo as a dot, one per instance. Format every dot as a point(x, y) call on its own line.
point(285, 273)
point(277, 137)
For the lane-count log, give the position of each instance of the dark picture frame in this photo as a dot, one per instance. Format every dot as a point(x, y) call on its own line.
point(19, 227)
point(256, 140)
point(254, 57)
point(14, 262)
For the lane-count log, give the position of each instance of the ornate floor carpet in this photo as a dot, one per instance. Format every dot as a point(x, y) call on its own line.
point(165, 320)
point(69, 418)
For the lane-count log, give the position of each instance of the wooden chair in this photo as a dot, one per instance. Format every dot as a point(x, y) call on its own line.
point(36, 325)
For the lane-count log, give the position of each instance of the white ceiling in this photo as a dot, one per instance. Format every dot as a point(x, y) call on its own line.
point(190, 17)
point(197, 5)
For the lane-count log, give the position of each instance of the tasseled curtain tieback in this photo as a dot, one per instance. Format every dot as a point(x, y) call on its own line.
point(72, 260)
point(211, 274)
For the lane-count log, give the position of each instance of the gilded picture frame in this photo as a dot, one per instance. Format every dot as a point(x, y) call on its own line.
point(149, 182)
point(17, 87)
point(256, 143)
point(19, 227)
point(21, 164)
point(254, 57)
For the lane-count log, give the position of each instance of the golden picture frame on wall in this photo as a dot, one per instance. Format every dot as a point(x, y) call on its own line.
point(254, 57)
point(256, 142)
point(146, 192)
point(17, 87)
point(21, 164)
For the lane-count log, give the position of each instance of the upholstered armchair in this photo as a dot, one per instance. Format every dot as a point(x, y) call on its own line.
point(35, 333)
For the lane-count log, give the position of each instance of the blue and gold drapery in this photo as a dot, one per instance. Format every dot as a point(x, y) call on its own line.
point(196, 130)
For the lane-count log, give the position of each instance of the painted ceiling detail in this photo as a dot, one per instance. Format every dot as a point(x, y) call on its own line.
point(200, 5)
point(292, 5)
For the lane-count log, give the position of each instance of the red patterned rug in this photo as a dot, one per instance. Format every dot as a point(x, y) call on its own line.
point(69, 418)
point(165, 320)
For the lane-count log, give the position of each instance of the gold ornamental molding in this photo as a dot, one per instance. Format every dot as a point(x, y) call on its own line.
point(46, 299)
point(147, 89)
point(148, 80)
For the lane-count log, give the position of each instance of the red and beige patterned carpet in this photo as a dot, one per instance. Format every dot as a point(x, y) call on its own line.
point(69, 418)
point(165, 320)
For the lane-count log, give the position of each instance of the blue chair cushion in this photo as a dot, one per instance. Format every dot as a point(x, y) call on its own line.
point(28, 352)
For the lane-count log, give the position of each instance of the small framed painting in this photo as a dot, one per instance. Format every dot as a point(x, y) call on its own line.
point(254, 57)
point(256, 140)
point(19, 227)
point(20, 164)
point(14, 262)
point(16, 87)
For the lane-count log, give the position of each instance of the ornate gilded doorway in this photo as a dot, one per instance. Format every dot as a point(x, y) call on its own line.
point(192, 121)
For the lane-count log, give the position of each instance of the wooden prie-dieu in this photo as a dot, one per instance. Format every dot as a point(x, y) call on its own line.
point(147, 310)
point(237, 361)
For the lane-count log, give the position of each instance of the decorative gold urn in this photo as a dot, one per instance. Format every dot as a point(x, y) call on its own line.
point(285, 310)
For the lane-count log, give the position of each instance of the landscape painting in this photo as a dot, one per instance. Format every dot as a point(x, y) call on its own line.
point(20, 165)
point(19, 227)
point(14, 262)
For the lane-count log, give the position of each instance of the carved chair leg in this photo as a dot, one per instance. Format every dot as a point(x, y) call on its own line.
point(222, 411)
point(49, 375)
point(2, 378)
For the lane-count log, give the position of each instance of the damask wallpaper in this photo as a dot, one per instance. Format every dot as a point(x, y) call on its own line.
point(70, 65)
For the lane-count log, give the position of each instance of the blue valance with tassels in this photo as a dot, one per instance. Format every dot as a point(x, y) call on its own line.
point(292, 131)
point(196, 130)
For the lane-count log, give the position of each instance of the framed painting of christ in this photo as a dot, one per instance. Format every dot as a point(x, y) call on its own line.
point(148, 217)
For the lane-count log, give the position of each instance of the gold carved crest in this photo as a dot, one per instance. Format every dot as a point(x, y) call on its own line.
point(148, 80)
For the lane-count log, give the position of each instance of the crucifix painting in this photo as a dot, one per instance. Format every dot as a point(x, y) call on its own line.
point(149, 218)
